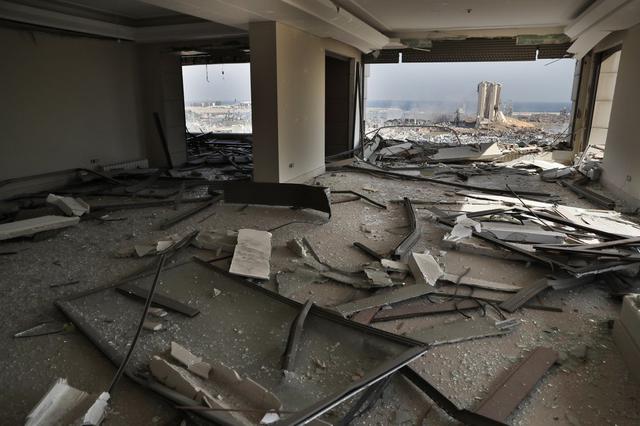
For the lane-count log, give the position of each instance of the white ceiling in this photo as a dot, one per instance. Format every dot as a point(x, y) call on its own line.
point(391, 17)
point(126, 8)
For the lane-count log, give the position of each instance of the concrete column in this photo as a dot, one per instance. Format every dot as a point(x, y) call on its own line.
point(482, 100)
point(287, 92)
point(620, 165)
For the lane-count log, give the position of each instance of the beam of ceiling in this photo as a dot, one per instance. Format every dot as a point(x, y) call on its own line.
point(600, 20)
point(145, 34)
point(318, 17)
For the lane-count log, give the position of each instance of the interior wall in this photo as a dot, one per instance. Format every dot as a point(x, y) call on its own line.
point(66, 101)
point(620, 165)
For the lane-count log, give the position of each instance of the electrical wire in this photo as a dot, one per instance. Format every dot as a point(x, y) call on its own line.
point(147, 304)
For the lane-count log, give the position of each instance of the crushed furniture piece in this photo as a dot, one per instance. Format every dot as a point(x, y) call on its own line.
point(275, 194)
point(28, 227)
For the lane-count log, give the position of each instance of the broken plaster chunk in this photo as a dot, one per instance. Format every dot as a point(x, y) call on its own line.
point(157, 312)
point(96, 413)
point(152, 325)
point(463, 228)
point(68, 205)
point(424, 268)
point(297, 247)
point(143, 250)
point(252, 255)
point(378, 278)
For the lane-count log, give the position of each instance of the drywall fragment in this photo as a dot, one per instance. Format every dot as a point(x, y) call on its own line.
point(394, 266)
point(297, 247)
point(69, 206)
point(27, 227)
point(62, 404)
point(193, 363)
point(220, 373)
point(424, 268)
point(96, 413)
point(463, 228)
point(176, 378)
point(152, 325)
point(523, 233)
point(252, 254)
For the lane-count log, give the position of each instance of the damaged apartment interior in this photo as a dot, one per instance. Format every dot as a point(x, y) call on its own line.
point(306, 252)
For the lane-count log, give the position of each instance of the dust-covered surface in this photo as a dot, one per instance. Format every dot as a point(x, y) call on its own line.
point(591, 387)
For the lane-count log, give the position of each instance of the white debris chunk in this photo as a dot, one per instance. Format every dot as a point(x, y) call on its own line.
point(463, 228)
point(69, 206)
point(95, 414)
point(424, 268)
point(58, 405)
point(252, 254)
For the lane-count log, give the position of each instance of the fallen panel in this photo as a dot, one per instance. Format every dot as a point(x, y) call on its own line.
point(245, 327)
point(460, 331)
point(507, 393)
point(404, 293)
point(424, 307)
point(27, 227)
point(480, 283)
point(522, 233)
point(523, 296)
point(252, 254)
point(275, 194)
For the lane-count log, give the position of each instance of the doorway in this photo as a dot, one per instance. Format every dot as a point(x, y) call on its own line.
point(338, 135)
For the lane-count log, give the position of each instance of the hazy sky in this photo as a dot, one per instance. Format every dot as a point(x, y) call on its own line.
point(234, 84)
point(542, 80)
point(521, 81)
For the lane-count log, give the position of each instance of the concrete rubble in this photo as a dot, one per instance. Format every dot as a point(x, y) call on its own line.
point(493, 272)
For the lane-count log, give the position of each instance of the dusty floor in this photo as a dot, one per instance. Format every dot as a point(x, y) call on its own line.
point(594, 389)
